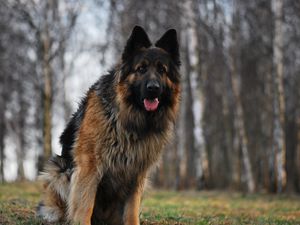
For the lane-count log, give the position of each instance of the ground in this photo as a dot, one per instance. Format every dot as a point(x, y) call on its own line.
point(18, 202)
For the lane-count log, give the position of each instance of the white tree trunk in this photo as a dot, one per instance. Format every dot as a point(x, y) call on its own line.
point(279, 103)
point(201, 167)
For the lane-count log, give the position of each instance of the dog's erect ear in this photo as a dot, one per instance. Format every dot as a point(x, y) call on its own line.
point(137, 40)
point(169, 43)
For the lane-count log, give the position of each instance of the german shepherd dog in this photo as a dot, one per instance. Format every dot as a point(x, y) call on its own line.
point(115, 137)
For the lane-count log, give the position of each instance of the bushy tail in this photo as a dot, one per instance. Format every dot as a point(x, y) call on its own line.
point(56, 178)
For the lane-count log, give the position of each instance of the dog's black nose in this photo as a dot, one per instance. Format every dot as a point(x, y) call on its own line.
point(153, 85)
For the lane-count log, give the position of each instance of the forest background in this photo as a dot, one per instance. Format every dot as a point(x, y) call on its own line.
point(239, 123)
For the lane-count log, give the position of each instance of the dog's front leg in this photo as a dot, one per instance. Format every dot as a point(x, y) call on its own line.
point(132, 206)
point(82, 195)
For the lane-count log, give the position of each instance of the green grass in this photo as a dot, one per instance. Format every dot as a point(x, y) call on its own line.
point(18, 202)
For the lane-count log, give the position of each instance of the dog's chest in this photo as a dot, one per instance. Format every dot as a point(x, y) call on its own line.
point(131, 155)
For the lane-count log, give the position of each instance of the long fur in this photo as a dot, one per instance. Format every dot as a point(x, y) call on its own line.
point(56, 179)
point(112, 142)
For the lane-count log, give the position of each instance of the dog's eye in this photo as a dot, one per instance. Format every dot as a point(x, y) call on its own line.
point(161, 69)
point(142, 69)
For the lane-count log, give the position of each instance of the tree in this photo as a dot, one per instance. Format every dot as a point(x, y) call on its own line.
point(279, 99)
point(51, 23)
point(239, 112)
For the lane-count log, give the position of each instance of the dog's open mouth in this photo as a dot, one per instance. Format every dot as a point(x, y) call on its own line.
point(151, 104)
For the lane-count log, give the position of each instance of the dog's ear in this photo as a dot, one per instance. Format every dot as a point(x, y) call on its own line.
point(169, 43)
point(137, 40)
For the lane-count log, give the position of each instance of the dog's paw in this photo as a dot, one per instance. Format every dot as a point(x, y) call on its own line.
point(49, 214)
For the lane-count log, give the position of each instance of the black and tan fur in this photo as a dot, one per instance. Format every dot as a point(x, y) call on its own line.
point(112, 141)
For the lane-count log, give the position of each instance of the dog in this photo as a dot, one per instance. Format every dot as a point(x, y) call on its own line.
point(115, 137)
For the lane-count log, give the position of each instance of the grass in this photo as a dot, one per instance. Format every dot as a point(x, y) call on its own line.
point(18, 202)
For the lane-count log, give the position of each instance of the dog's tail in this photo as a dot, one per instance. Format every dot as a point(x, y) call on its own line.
point(56, 180)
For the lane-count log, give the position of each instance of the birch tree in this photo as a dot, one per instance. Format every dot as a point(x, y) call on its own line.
point(3, 97)
point(279, 143)
point(191, 19)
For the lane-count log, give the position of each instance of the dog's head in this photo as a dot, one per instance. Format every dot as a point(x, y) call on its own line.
point(150, 74)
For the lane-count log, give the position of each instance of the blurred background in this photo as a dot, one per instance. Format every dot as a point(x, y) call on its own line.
point(239, 124)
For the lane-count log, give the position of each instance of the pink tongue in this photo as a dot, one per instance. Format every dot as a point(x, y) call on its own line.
point(151, 105)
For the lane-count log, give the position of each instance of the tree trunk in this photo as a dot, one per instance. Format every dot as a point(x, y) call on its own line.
point(279, 102)
point(189, 139)
point(239, 114)
point(67, 108)
point(297, 158)
point(2, 135)
point(297, 148)
point(241, 132)
point(47, 91)
point(181, 156)
point(202, 164)
point(267, 118)
point(3, 103)
point(20, 156)
point(236, 159)
point(20, 130)
point(187, 167)
point(178, 151)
